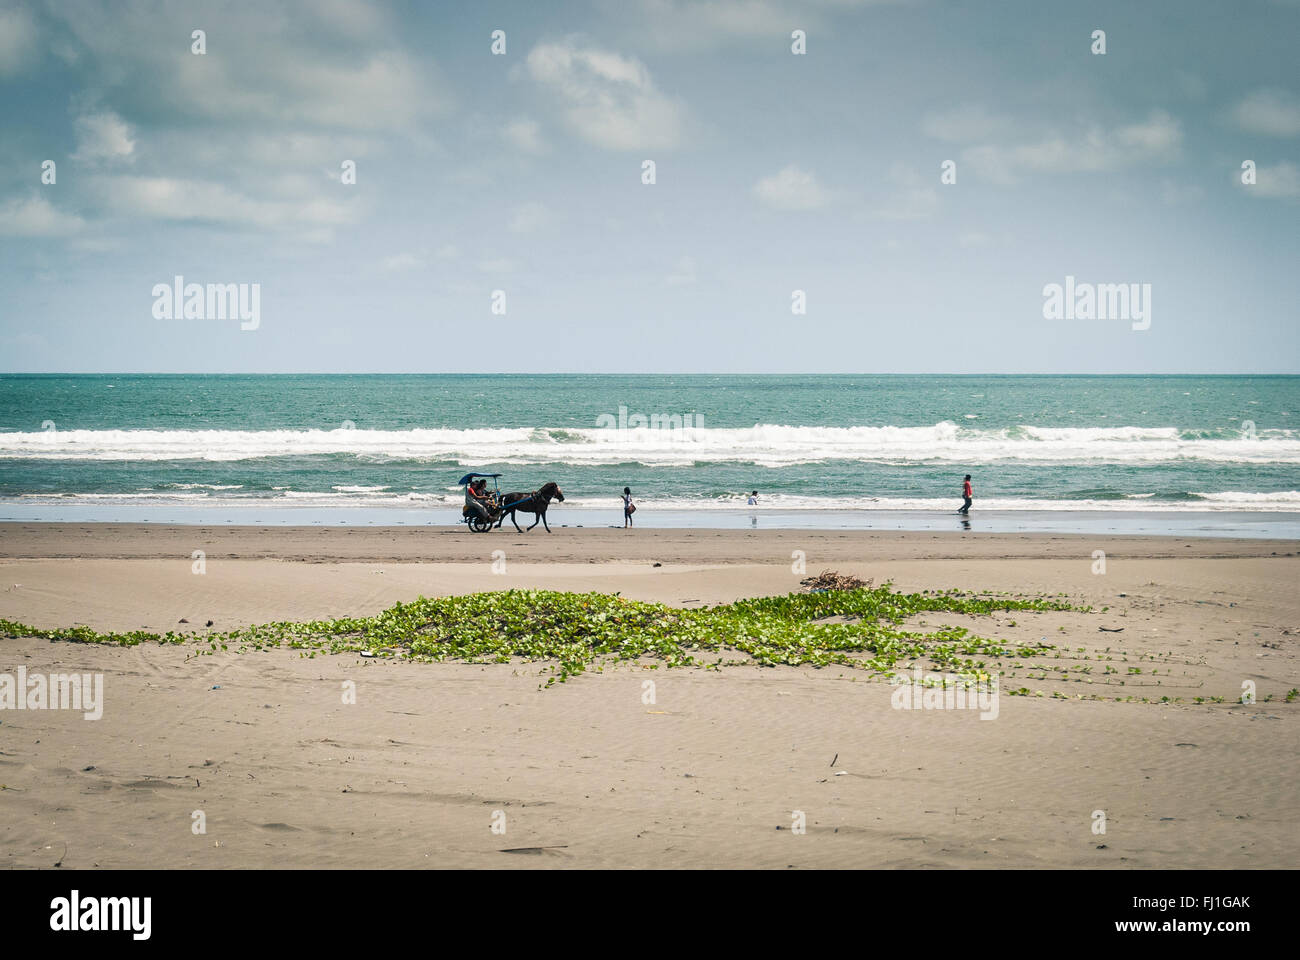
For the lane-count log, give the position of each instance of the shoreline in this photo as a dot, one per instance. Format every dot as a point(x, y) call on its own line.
point(1233, 524)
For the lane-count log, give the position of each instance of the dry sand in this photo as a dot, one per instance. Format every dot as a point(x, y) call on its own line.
point(585, 773)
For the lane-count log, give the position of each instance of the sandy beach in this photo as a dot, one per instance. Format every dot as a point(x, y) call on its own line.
point(713, 773)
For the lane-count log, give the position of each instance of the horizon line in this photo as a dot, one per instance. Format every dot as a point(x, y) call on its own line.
point(582, 373)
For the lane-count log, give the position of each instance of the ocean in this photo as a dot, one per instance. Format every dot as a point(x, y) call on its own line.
point(820, 450)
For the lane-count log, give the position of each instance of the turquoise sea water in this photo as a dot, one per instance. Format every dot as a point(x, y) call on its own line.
point(806, 443)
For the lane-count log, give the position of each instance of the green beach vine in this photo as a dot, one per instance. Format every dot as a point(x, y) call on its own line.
point(860, 629)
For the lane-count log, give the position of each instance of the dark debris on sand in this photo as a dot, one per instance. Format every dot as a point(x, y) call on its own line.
point(834, 580)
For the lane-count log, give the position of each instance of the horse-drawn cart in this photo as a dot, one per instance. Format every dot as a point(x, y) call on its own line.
point(490, 507)
point(484, 519)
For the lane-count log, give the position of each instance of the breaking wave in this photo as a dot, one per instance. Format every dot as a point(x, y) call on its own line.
point(764, 445)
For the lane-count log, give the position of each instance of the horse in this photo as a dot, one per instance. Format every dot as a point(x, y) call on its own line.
point(535, 502)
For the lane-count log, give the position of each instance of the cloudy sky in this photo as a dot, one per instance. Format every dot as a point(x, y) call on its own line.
point(774, 172)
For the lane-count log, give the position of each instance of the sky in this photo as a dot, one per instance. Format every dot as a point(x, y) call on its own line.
point(515, 182)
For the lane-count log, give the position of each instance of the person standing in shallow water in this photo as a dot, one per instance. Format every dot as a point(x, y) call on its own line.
point(966, 495)
point(629, 507)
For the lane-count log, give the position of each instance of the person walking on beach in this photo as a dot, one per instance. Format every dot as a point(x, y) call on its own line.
point(966, 494)
point(629, 507)
point(753, 498)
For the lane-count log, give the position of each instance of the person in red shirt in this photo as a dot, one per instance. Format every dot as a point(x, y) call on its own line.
point(478, 499)
point(966, 493)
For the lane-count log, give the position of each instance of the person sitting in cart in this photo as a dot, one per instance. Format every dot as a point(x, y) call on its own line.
point(478, 499)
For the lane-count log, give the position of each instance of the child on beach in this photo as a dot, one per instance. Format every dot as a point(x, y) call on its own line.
point(966, 495)
point(628, 507)
point(753, 498)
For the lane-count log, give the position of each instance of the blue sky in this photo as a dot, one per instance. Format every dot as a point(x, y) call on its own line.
point(774, 172)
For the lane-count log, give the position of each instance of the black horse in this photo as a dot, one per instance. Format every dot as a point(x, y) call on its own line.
point(535, 502)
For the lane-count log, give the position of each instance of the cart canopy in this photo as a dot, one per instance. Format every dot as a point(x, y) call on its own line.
point(470, 476)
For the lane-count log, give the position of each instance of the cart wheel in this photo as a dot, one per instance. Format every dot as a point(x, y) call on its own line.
point(479, 525)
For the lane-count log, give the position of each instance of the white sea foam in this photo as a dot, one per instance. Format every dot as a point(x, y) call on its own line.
point(1242, 497)
point(765, 445)
point(201, 486)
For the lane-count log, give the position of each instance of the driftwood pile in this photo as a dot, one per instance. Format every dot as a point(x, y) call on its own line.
point(834, 580)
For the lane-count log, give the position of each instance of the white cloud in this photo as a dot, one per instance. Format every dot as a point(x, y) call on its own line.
point(254, 133)
point(102, 136)
point(693, 25)
point(607, 99)
point(402, 261)
point(524, 135)
point(1282, 180)
point(529, 217)
point(336, 66)
point(18, 44)
point(1274, 113)
point(703, 23)
point(350, 16)
point(1160, 135)
point(791, 189)
point(386, 91)
point(34, 216)
point(1091, 150)
point(165, 198)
